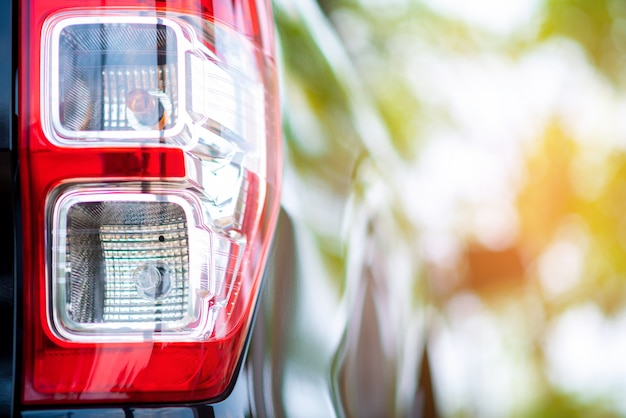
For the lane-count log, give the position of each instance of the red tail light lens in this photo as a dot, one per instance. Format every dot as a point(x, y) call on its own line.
point(149, 148)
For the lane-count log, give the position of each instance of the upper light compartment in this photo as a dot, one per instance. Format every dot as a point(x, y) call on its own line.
point(114, 79)
point(123, 79)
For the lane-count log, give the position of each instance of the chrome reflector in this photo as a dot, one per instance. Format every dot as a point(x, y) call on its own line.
point(128, 262)
point(117, 77)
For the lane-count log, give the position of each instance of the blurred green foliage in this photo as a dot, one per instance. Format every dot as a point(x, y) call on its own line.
point(599, 26)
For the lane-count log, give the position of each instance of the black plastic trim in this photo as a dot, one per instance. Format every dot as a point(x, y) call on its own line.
point(7, 76)
point(8, 66)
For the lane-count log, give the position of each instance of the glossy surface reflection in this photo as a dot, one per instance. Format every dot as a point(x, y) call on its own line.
point(510, 120)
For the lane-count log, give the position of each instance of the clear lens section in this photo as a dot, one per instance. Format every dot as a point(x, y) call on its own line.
point(124, 265)
point(117, 77)
point(128, 262)
point(125, 79)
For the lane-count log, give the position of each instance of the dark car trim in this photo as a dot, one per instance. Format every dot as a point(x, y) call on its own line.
point(8, 65)
point(7, 76)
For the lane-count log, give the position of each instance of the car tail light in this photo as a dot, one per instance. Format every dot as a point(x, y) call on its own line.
point(149, 148)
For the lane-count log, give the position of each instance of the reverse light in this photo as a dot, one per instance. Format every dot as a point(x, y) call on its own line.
point(150, 145)
point(121, 268)
point(110, 76)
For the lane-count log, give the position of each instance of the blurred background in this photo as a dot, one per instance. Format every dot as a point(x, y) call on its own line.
point(499, 132)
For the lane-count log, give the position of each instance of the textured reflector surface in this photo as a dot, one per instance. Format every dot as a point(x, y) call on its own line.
point(116, 77)
point(128, 262)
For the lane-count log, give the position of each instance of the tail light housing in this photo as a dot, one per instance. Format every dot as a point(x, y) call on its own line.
point(149, 151)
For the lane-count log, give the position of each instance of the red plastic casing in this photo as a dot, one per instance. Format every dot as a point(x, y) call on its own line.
point(58, 371)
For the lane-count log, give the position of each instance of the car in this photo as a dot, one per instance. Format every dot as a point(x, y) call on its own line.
point(151, 266)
